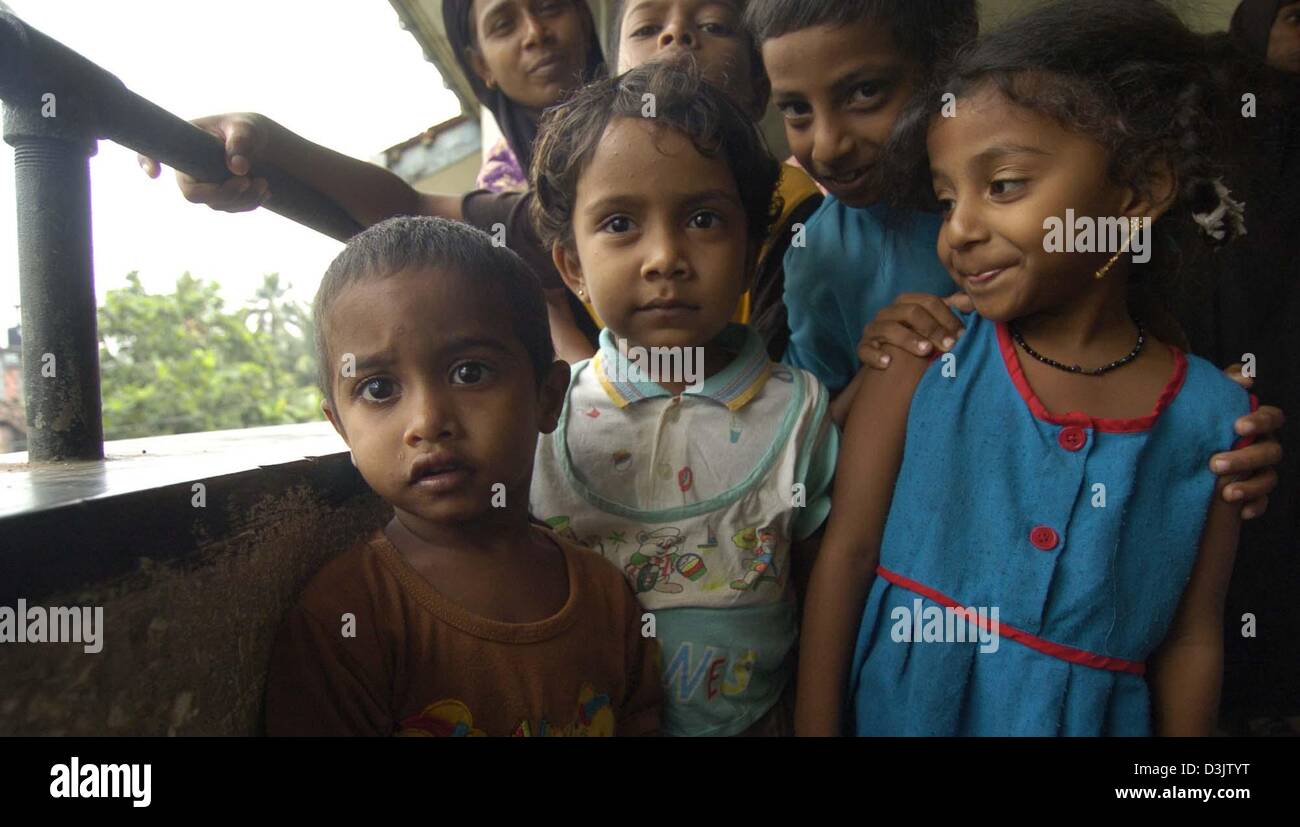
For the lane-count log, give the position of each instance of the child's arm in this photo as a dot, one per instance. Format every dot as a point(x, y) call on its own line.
point(864, 486)
point(570, 343)
point(368, 192)
point(1187, 669)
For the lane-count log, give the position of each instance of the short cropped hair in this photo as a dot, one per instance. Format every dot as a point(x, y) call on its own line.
point(928, 32)
point(715, 125)
point(405, 243)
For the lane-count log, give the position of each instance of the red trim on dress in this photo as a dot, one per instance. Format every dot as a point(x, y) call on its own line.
point(1246, 441)
point(1114, 426)
point(1047, 647)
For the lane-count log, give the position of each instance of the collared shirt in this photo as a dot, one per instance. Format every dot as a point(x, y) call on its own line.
point(696, 498)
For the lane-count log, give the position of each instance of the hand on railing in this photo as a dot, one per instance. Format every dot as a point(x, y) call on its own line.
point(245, 135)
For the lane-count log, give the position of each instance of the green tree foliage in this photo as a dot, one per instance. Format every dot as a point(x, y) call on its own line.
point(180, 362)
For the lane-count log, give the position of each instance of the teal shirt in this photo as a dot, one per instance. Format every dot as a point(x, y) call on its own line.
point(854, 263)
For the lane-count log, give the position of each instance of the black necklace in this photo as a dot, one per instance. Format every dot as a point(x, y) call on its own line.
point(1118, 363)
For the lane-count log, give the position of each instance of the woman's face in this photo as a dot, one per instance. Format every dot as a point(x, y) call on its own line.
point(1284, 39)
point(534, 51)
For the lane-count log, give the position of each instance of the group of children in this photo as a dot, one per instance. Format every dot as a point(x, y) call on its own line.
point(588, 549)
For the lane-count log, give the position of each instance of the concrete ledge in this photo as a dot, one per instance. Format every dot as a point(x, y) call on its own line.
point(191, 596)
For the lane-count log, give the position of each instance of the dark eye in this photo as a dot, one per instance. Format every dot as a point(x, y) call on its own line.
point(648, 30)
point(794, 110)
point(704, 220)
point(867, 93)
point(1005, 187)
point(469, 373)
point(618, 224)
point(718, 29)
point(379, 389)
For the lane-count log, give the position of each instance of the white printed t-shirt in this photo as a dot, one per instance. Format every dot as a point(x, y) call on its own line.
point(697, 498)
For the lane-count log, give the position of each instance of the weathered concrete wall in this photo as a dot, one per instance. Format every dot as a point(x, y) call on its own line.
point(187, 634)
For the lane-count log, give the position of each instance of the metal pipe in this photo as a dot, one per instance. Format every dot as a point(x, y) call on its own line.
point(57, 104)
point(32, 63)
point(56, 277)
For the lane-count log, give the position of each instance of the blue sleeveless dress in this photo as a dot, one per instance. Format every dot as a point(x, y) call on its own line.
point(1081, 533)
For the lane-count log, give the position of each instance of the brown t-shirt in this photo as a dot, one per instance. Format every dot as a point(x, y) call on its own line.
point(418, 664)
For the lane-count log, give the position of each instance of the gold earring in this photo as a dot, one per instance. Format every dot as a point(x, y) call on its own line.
point(1135, 225)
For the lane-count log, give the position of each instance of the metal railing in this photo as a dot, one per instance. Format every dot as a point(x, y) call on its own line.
point(57, 106)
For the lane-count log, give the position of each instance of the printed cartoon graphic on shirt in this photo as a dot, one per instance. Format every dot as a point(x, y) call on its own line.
point(562, 526)
point(712, 542)
point(441, 719)
point(659, 557)
point(451, 718)
point(761, 544)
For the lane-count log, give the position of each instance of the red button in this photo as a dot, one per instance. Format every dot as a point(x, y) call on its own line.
point(1044, 538)
point(1072, 437)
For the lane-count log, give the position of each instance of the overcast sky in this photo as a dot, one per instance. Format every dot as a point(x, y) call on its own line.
point(340, 72)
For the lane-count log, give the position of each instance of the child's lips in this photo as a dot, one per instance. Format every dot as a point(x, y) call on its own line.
point(667, 307)
point(845, 181)
point(438, 473)
point(983, 276)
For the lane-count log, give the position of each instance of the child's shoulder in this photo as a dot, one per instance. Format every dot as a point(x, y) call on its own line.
point(350, 580)
point(597, 576)
point(1209, 388)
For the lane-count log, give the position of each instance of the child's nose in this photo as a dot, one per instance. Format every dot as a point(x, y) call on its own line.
point(964, 226)
point(665, 257)
point(431, 418)
point(831, 142)
point(676, 33)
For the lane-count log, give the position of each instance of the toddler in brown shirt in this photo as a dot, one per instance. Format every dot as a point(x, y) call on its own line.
point(461, 616)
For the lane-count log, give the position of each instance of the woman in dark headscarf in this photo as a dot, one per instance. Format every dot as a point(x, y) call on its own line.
point(1251, 305)
point(521, 56)
point(1269, 31)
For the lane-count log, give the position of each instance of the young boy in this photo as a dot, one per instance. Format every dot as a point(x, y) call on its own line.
point(459, 617)
point(841, 72)
point(697, 470)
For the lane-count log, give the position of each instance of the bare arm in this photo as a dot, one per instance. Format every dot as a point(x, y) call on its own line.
point(870, 456)
point(1187, 669)
point(368, 192)
point(570, 343)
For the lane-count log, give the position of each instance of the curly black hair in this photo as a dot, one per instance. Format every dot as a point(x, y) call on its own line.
point(716, 126)
point(1129, 75)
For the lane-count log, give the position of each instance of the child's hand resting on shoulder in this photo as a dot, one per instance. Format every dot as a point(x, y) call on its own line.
point(1255, 465)
point(245, 135)
point(916, 322)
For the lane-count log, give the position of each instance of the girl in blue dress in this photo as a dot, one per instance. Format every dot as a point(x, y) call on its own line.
point(1025, 539)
